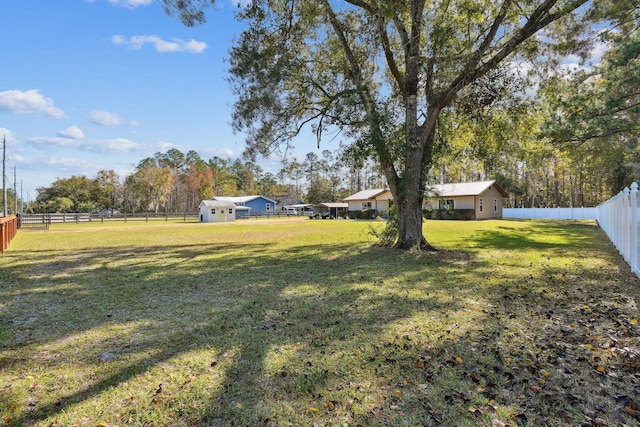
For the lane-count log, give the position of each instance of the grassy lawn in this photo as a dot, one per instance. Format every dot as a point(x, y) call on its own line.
point(304, 323)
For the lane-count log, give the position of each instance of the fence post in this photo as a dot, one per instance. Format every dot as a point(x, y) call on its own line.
point(633, 217)
point(624, 228)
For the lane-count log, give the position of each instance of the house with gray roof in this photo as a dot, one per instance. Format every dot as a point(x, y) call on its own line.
point(481, 199)
point(258, 205)
point(379, 200)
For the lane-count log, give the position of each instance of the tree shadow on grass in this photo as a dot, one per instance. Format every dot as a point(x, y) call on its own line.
point(165, 301)
point(535, 236)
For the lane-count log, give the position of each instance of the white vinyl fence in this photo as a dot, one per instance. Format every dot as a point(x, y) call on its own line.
point(620, 219)
point(551, 213)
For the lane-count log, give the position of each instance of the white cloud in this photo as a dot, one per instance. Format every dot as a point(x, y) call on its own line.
point(220, 152)
point(225, 152)
point(120, 145)
point(118, 39)
point(105, 118)
point(7, 135)
point(129, 4)
point(29, 102)
point(165, 146)
point(46, 141)
point(160, 45)
point(64, 163)
point(72, 132)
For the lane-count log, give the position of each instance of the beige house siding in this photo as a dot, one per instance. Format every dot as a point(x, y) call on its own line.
point(376, 204)
point(380, 203)
point(487, 204)
point(492, 204)
point(355, 205)
point(464, 202)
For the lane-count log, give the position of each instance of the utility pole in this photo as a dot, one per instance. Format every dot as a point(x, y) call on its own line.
point(4, 178)
point(15, 191)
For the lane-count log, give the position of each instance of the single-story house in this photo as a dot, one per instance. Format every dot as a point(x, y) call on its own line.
point(259, 205)
point(217, 211)
point(378, 199)
point(483, 199)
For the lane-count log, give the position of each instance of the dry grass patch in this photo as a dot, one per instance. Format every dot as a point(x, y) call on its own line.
point(304, 323)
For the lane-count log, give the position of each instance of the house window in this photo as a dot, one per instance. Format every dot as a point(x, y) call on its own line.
point(230, 210)
point(446, 204)
point(268, 207)
point(481, 205)
point(495, 205)
point(213, 211)
point(366, 205)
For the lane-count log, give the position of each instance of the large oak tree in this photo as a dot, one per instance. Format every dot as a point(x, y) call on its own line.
point(382, 71)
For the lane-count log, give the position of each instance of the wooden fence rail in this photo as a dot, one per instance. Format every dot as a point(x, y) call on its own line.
point(8, 230)
point(44, 220)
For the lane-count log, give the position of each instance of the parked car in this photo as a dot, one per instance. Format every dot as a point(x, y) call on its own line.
point(319, 215)
point(291, 211)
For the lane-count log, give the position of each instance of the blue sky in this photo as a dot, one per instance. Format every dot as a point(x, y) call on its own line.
point(102, 84)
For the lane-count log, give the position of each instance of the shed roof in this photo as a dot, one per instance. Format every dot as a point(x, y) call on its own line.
point(367, 194)
point(217, 204)
point(458, 189)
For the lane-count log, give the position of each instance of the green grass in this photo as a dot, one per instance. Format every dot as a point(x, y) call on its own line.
point(298, 322)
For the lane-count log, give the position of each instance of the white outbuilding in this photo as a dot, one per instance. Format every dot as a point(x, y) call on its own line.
point(217, 211)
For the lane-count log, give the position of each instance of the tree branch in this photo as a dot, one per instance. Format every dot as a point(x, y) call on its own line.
point(361, 4)
point(489, 38)
point(355, 75)
point(388, 54)
point(538, 20)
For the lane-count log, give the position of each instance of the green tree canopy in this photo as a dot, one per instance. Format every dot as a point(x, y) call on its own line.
point(381, 71)
point(595, 112)
point(72, 194)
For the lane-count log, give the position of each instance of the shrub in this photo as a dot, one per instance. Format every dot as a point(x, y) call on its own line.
point(388, 236)
point(461, 214)
point(363, 214)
